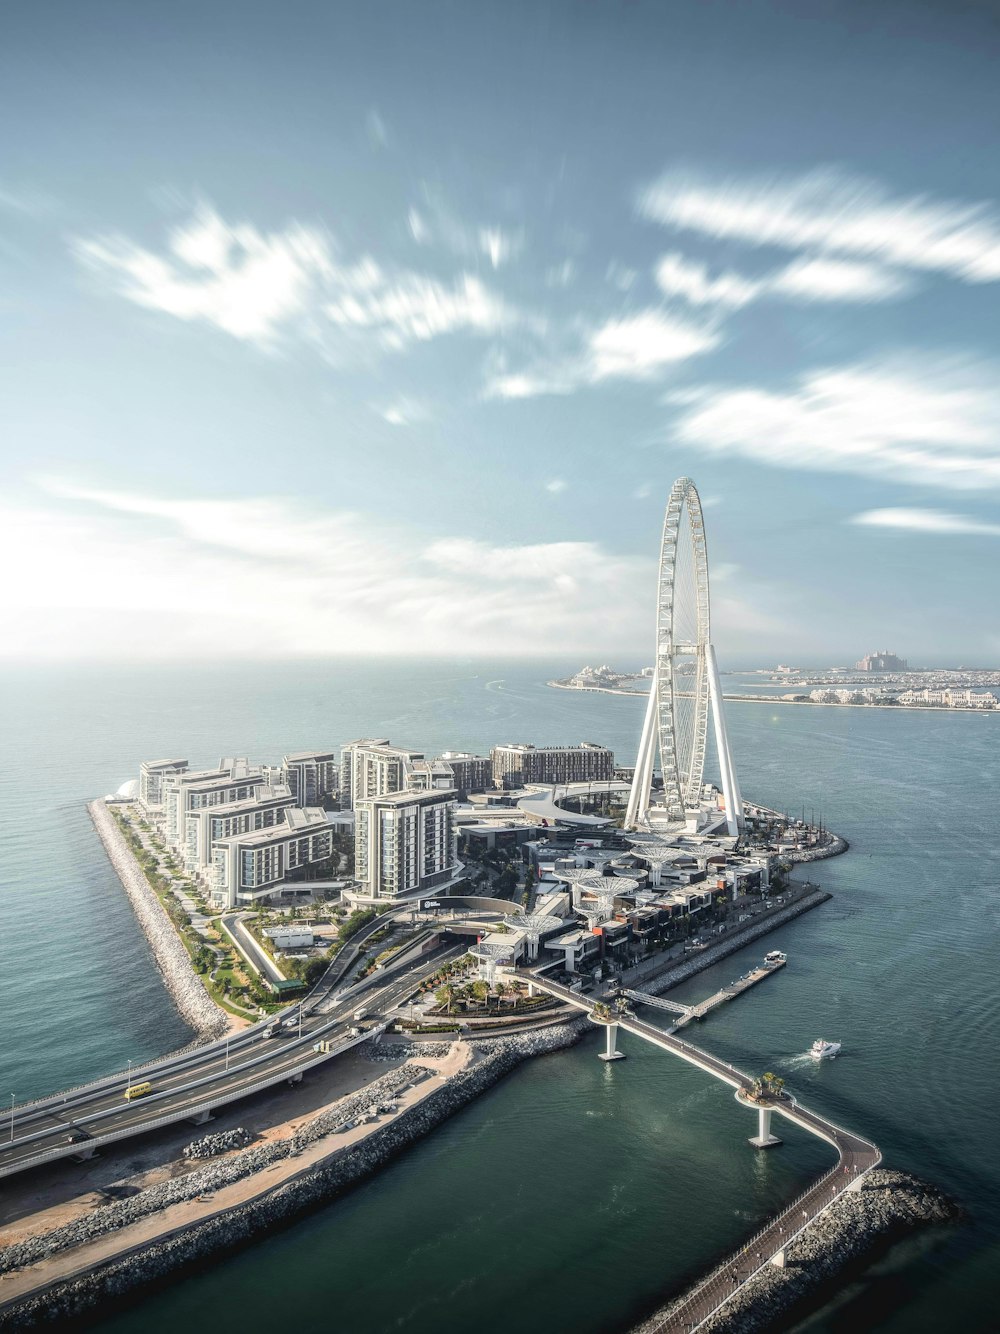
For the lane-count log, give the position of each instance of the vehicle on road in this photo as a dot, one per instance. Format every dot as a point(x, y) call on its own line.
point(137, 1091)
point(359, 1015)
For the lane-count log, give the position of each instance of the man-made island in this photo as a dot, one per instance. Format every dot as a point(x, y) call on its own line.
point(350, 1009)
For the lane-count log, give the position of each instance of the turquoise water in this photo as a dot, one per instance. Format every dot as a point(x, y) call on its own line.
point(574, 1195)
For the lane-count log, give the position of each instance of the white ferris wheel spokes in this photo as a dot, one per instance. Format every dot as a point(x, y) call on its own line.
point(685, 680)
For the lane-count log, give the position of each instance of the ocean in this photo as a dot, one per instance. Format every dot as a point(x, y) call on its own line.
point(574, 1195)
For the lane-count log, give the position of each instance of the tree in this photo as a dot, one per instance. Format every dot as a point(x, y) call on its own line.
point(480, 992)
point(445, 995)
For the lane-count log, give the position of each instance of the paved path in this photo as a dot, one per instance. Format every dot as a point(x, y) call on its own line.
point(856, 1156)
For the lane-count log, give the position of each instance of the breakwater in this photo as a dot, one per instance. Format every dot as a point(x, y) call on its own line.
point(186, 991)
point(847, 1237)
point(145, 1265)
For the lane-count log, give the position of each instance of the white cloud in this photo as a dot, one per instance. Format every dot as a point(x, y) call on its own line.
point(275, 578)
point(556, 485)
point(634, 347)
point(419, 230)
point(915, 420)
point(837, 280)
point(677, 275)
point(926, 521)
point(261, 286)
point(404, 412)
point(830, 212)
point(802, 280)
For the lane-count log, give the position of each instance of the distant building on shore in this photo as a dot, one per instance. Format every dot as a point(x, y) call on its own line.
point(881, 661)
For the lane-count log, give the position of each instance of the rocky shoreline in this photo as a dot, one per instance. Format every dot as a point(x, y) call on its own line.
point(342, 1169)
point(844, 1241)
point(193, 1002)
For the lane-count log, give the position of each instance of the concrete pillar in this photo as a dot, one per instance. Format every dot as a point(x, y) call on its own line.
point(201, 1118)
point(612, 1053)
point(778, 1260)
point(531, 989)
point(764, 1139)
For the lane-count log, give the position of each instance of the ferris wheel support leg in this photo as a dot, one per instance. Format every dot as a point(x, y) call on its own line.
point(730, 786)
point(642, 780)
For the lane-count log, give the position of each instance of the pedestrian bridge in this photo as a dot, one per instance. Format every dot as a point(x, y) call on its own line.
point(855, 1157)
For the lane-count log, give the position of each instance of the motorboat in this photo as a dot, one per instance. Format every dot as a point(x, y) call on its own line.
point(774, 958)
point(821, 1050)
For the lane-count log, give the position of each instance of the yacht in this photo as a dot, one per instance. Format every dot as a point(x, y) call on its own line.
point(821, 1050)
point(774, 958)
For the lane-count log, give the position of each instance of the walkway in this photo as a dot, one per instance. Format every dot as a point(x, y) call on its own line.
point(856, 1156)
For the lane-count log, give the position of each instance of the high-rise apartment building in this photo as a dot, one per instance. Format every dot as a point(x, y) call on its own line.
point(233, 780)
point(470, 773)
point(151, 776)
point(514, 765)
point(405, 843)
point(255, 865)
point(207, 825)
point(312, 775)
point(373, 768)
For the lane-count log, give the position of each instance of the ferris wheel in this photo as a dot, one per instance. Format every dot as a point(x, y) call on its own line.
point(685, 681)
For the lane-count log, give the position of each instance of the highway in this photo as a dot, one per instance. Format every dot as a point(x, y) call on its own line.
point(77, 1122)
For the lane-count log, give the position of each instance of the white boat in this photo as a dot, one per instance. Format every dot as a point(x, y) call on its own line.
point(774, 958)
point(821, 1050)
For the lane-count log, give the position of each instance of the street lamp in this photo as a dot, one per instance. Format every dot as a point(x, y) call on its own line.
point(227, 1054)
point(12, 1098)
point(128, 1084)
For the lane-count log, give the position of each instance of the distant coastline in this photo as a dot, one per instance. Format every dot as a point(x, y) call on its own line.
point(778, 699)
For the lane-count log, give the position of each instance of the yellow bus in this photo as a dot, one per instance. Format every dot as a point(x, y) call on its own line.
point(137, 1091)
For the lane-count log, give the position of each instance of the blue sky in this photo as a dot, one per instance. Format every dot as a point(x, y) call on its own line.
point(385, 328)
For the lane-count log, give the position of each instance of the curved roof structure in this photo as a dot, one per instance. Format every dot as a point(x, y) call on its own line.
point(533, 924)
point(129, 789)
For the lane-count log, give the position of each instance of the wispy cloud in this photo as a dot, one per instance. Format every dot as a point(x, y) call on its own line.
point(434, 221)
point(404, 412)
point(926, 521)
point(263, 286)
point(556, 485)
point(830, 212)
point(633, 347)
point(277, 577)
point(913, 419)
point(807, 280)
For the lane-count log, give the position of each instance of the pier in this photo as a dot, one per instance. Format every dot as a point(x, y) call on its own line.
point(856, 1156)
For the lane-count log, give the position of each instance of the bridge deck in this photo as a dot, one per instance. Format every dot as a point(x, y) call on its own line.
point(856, 1156)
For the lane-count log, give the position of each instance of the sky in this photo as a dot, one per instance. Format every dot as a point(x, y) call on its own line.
point(385, 328)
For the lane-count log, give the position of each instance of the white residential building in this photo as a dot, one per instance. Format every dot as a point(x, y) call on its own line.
point(206, 825)
point(405, 843)
point(373, 768)
point(151, 777)
point(256, 865)
point(233, 780)
point(312, 775)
